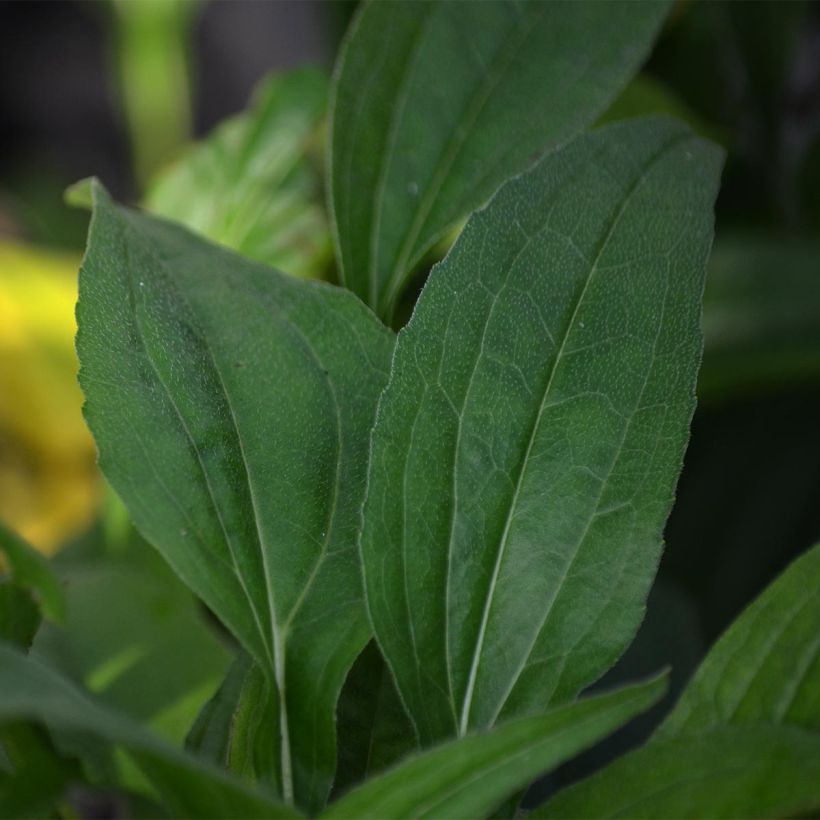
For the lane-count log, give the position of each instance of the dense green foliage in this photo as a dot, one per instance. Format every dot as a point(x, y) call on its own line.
point(424, 546)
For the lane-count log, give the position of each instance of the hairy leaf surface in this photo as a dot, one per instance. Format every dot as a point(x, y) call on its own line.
point(30, 690)
point(437, 103)
point(527, 445)
point(232, 407)
point(468, 777)
point(253, 185)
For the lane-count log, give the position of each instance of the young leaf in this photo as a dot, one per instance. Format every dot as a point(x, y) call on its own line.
point(436, 103)
point(744, 739)
point(33, 691)
point(468, 777)
point(232, 407)
point(527, 445)
point(251, 185)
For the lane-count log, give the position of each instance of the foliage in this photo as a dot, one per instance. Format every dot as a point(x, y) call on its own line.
point(423, 547)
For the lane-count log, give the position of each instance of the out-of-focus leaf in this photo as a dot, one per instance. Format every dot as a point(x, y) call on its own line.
point(232, 408)
point(646, 96)
point(48, 481)
point(128, 615)
point(533, 429)
point(19, 614)
point(31, 571)
point(744, 738)
point(761, 314)
point(470, 776)
point(254, 185)
point(33, 776)
point(191, 788)
point(437, 103)
point(373, 729)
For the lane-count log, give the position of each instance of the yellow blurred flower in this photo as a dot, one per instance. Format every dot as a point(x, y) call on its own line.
point(49, 485)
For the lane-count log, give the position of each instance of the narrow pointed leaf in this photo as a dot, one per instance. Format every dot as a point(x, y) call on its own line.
point(744, 738)
point(766, 668)
point(30, 690)
point(470, 776)
point(253, 184)
point(528, 443)
point(734, 772)
point(437, 103)
point(232, 406)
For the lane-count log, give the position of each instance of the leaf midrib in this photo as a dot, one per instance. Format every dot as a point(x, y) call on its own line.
point(629, 194)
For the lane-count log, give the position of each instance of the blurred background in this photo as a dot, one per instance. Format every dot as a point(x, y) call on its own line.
point(120, 89)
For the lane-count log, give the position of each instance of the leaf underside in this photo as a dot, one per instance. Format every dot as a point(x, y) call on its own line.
point(527, 445)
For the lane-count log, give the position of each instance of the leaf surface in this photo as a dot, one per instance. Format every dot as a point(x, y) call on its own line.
point(468, 777)
point(744, 738)
point(736, 771)
point(528, 443)
point(437, 103)
point(254, 184)
point(766, 667)
point(30, 690)
point(232, 407)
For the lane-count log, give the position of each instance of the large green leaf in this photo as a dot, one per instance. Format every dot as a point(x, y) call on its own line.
point(744, 739)
point(254, 184)
point(232, 407)
point(470, 776)
point(527, 445)
point(437, 103)
point(30, 690)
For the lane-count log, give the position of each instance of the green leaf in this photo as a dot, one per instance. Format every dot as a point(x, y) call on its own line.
point(766, 668)
point(30, 570)
point(437, 103)
point(761, 313)
point(744, 738)
point(468, 777)
point(33, 691)
point(738, 772)
point(373, 728)
point(232, 408)
point(127, 616)
point(254, 184)
point(528, 443)
point(19, 614)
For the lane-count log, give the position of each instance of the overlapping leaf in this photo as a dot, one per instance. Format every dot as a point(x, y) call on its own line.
point(254, 185)
point(437, 103)
point(528, 443)
point(232, 407)
point(470, 776)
